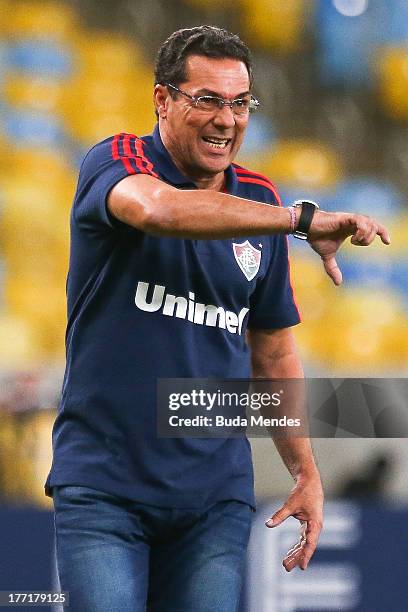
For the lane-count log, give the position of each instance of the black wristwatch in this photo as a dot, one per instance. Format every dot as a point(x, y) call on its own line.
point(308, 209)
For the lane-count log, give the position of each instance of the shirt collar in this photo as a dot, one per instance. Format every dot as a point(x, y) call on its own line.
point(170, 171)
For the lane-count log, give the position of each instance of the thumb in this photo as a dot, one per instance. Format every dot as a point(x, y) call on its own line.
point(333, 270)
point(280, 515)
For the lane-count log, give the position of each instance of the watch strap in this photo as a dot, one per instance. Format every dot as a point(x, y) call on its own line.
point(308, 209)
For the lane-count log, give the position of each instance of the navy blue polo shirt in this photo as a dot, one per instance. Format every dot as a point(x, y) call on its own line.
point(142, 307)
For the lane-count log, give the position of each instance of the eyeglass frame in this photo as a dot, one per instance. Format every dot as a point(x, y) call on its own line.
point(221, 102)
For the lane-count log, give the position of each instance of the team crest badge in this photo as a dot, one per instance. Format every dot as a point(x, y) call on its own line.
point(248, 258)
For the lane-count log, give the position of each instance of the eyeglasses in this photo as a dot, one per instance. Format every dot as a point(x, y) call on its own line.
point(211, 104)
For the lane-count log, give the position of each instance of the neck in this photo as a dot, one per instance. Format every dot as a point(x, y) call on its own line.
point(213, 182)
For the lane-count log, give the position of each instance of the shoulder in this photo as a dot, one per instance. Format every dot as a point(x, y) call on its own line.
point(123, 148)
point(258, 182)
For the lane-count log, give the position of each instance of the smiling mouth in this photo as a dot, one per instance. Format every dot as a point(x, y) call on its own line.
point(217, 143)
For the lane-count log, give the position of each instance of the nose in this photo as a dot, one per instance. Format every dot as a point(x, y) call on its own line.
point(224, 117)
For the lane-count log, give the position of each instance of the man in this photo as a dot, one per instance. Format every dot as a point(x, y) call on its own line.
point(154, 223)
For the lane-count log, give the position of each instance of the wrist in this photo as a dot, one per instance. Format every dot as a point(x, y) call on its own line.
point(305, 210)
point(307, 474)
point(294, 214)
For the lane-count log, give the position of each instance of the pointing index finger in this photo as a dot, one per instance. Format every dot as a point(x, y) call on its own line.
point(312, 536)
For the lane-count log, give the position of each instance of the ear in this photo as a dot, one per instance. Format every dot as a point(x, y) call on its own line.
point(161, 97)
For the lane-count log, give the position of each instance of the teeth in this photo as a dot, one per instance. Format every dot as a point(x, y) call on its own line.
point(218, 143)
point(216, 140)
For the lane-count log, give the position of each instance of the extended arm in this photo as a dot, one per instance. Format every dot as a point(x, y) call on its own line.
point(157, 208)
point(274, 355)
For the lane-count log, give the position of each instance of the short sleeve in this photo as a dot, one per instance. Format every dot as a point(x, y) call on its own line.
point(104, 166)
point(273, 305)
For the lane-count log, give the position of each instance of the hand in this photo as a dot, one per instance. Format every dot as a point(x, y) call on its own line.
point(305, 503)
point(328, 231)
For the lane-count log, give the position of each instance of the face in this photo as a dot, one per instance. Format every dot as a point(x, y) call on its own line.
point(187, 130)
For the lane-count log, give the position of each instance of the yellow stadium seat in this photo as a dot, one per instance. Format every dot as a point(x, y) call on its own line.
point(23, 458)
point(36, 174)
point(39, 162)
point(395, 342)
point(99, 93)
point(307, 271)
point(362, 333)
point(393, 82)
point(25, 455)
point(12, 466)
point(35, 231)
point(273, 24)
point(93, 127)
point(95, 94)
point(43, 305)
point(104, 52)
point(374, 307)
point(369, 350)
point(40, 429)
point(18, 342)
point(5, 10)
point(39, 262)
point(398, 228)
point(35, 199)
point(34, 227)
point(304, 163)
point(7, 446)
point(4, 155)
point(99, 106)
point(55, 20)
point(312, 288)
point(40, 94)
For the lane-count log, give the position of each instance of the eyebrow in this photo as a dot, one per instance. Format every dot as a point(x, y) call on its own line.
point(210, 92)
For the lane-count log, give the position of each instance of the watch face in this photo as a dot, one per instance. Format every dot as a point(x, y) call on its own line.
point(306, 216)
point(308, 202)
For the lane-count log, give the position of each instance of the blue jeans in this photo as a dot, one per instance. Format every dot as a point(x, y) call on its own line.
point(117, 555)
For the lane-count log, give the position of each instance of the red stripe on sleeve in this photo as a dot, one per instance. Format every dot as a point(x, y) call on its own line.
point(270, 186)
point(242, 170)
point(131, 156)
point(257, 176)
point(128, 158)
point(141, 154)
point(253, 179)
point(115, 150)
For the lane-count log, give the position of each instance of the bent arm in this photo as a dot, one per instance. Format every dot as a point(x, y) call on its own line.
point(274, 355)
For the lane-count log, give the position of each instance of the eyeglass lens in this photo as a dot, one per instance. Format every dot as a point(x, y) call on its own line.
point(240, 106)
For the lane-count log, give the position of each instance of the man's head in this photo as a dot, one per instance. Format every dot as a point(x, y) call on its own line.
point(196, 62)
point(208, 41)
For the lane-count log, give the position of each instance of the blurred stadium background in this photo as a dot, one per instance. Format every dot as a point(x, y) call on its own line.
point(332, 77)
